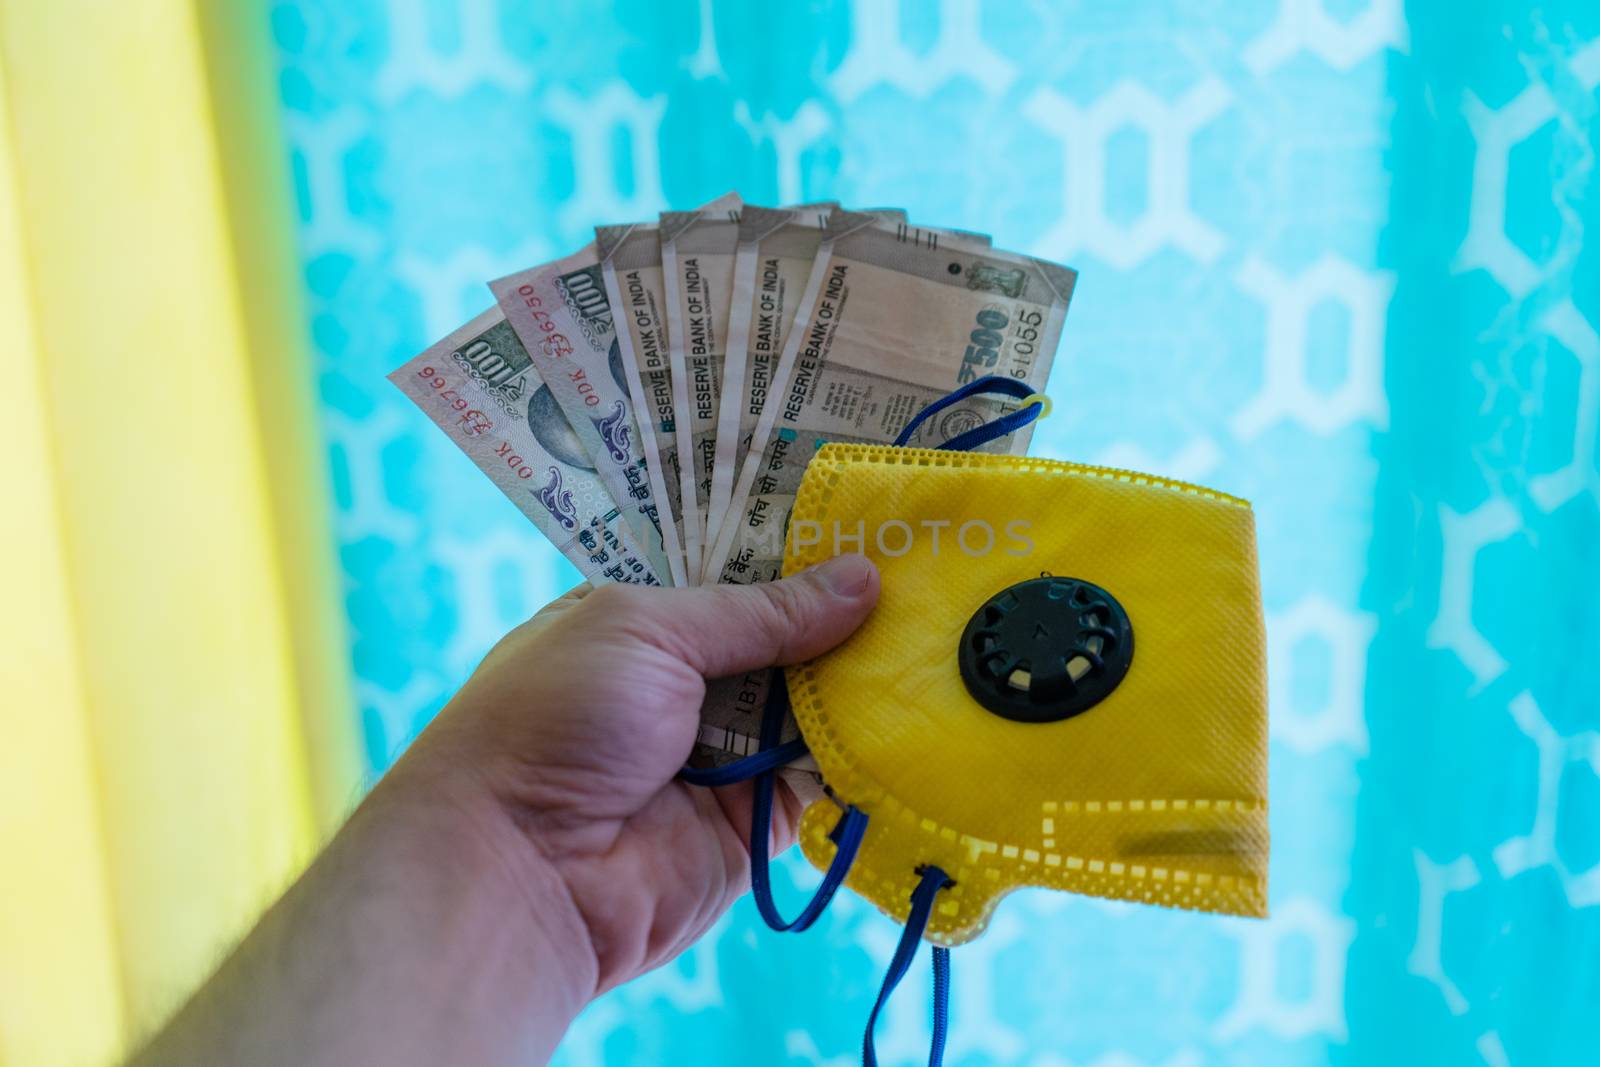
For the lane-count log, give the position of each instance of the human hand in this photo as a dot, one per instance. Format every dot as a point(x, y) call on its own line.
point(530, 850)
point(564, 744)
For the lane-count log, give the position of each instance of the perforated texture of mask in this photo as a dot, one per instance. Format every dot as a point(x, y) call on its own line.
point(1156, 794)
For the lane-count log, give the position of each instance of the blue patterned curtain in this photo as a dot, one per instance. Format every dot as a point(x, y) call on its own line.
point(1332, 260)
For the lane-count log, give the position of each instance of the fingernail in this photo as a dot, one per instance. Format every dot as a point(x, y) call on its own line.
point(844, 575)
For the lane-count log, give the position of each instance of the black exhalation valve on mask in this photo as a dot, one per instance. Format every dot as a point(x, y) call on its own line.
point(1046, 649)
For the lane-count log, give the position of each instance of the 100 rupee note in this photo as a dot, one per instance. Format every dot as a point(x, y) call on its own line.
point(561, 314)
point(480, 387)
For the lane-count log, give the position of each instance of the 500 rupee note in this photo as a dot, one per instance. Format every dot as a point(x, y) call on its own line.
point(630, 260)
point(697, 254)
point(890, 321)
point(773, 260)
point(776, 248)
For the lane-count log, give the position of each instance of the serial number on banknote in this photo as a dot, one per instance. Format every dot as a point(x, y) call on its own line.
point(985, 342)
point(472, 419)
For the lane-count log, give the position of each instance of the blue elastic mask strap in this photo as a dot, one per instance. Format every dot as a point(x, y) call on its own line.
point(993, 384)
point(745, 769)
point(846, 835)
point(769, 755)
point(941, 1004)
point(922, 897)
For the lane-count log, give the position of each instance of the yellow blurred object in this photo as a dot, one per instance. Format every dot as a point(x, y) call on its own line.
point(177, 712)
point(1157, 793)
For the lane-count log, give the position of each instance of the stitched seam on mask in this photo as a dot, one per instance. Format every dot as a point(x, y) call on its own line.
point(1019, 856)
point(1207, 887)
point(820, 490)
point(1077, 809)
point(1022, 857)
point(1173, 887)
point(1157, 805)
point(888, 455)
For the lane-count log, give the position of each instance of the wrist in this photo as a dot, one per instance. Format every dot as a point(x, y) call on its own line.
point(472, 866)
point(429, 932)
point(424, 933)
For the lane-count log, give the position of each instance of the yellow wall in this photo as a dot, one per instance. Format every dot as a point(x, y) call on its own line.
point(174, 702)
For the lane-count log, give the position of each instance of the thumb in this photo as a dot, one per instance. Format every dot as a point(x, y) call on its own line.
point(722, 630)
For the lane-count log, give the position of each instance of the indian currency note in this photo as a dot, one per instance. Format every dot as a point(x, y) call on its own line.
point(480, 387)
point(771, 264)
point(697, 254)
point(560, 312)
point(891, 319)
point(776, 247)
point(630, 261)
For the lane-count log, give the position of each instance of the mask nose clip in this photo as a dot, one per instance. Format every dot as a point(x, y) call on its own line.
point(1046, 649)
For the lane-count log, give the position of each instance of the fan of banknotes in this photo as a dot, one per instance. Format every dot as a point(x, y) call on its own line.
point(651, 401)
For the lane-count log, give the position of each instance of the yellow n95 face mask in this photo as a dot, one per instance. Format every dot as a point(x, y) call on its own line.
point(1063, 685)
